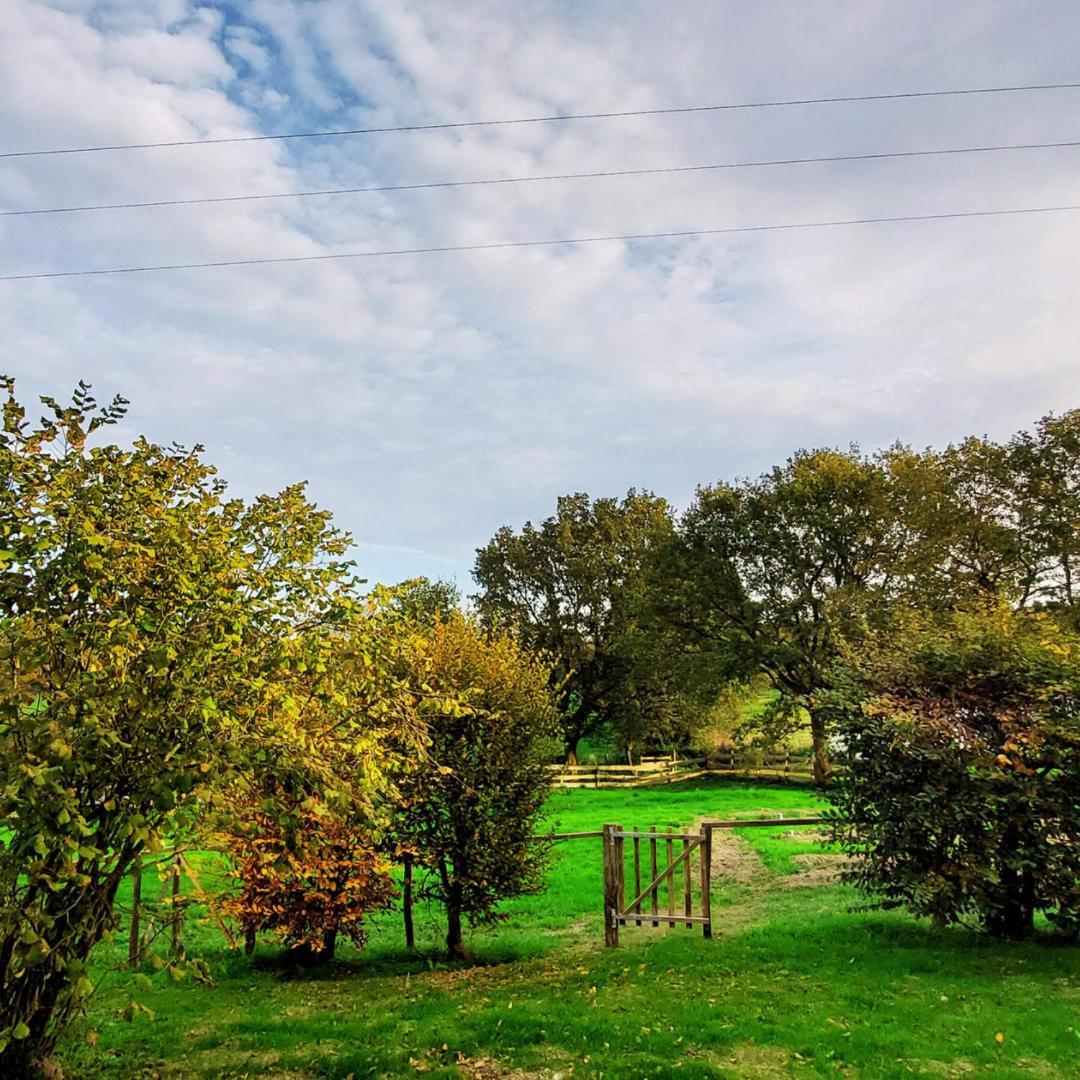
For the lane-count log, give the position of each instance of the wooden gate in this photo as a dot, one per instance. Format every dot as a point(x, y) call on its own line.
point(680, 910)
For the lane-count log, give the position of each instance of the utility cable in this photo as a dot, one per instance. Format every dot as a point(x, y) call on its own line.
point(509, 244)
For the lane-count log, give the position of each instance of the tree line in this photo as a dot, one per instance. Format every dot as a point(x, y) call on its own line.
point(651, 615)
point(915, 610)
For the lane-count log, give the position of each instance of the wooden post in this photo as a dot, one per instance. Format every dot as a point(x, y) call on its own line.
point(637, 872)
point(669, 853)
point(176, 904)
point(611, 890)
point(620, 868)
point(688, 896)
point(134, 945)
point(706, 880)
point(652, 867)
point(406, 903)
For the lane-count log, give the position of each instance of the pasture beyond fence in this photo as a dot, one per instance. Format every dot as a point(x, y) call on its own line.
point(668, 770)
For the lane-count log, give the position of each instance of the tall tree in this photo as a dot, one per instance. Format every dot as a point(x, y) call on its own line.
point(567, 587)
point(764, 574)
point(1046, 469)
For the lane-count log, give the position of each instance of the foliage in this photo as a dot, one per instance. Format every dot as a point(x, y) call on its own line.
point(422, 601)
point(960, 793)
point(310, 887)
point(161, 645)
point(763, 575)
point(469, 809)
point(566, 586)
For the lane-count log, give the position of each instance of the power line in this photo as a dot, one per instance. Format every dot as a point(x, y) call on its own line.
point(538, 179)
point(507, 244)
point(555, 118)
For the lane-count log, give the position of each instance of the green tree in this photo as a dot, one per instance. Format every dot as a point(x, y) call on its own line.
point(567, 586)
point(161, 645)
point(764, 575)
point(1046, 467)
point(960, 794)
point(470, 807)
point(423, 602)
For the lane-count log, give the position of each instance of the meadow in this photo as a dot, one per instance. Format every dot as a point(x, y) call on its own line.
point(796, 982)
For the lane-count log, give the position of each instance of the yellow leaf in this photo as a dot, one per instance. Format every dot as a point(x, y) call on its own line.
point(999, 1037)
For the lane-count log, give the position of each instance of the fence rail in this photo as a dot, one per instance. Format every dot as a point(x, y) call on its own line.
point(672, 770)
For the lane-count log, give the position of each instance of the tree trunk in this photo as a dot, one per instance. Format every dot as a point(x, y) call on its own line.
point(570, 743)
point(1016, 916)
point(819, 741)
point(329, 945)
point(455, 945)
point(18, 1061)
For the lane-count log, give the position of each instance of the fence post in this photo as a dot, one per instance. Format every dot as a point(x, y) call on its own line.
point(176, 904)
point(706, 880)
point(406, 903)
point(611, 888)
point(134, 945)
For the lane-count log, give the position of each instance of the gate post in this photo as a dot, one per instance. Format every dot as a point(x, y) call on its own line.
point(611, 888)
point(706, 880)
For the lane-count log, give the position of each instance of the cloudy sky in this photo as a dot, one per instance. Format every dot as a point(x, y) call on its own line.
point(430, 398)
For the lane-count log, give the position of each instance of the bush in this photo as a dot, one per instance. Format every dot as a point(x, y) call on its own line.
point(960, 793)
point(311, 885)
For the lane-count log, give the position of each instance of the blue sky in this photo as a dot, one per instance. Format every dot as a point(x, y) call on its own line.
point(429, 400)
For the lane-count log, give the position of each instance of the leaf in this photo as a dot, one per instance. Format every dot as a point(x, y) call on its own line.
point(20, 1031)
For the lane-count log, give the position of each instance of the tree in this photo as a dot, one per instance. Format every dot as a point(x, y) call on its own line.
point(422, 601)
point(565, 587)
point(1046, 467)
point(470, 807)
point(161, 645)
point(960, 793)
point(763, 575)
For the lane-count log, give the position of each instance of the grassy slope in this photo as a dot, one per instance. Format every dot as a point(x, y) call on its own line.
point(798, 985)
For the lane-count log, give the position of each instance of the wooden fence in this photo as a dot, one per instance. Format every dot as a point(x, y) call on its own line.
point(674, 770)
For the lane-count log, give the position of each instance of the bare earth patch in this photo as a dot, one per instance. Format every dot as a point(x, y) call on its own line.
point(733, 859)
point(814, 871)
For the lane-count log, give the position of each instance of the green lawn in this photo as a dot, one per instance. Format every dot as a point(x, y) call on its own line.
point(794, 984)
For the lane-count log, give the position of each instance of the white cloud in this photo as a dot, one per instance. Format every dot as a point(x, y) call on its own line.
point(430, 399)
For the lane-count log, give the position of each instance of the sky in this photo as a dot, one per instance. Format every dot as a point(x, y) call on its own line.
point(429, 399)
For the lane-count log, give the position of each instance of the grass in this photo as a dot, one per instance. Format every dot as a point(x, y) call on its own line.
point(794, 984)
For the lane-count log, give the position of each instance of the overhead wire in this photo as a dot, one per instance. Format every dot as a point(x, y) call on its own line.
point(567, 241)
point(548, 119)
point(494, 181)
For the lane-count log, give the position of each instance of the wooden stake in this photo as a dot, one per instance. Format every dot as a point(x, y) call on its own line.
point(637, 873)
point(134, 945)
point(406, 903)
point(688, 896)
point(706, 879)
point(620, 871)
point(611, 890)
point(669, 852)
point(652, 867)
point(176, 904)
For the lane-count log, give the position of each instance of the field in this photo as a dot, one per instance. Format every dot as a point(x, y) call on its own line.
point(794, 983)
